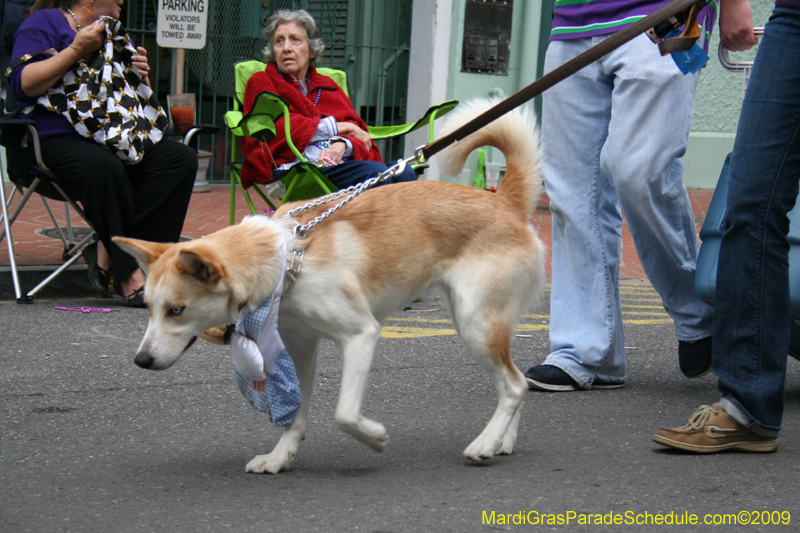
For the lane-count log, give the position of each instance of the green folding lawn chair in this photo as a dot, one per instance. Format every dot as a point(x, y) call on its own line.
point(304, 180)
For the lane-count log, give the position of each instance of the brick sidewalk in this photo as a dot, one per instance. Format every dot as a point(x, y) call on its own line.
point(210, 211)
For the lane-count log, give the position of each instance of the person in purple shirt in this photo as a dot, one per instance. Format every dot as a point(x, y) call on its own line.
point(752, 319)
point(147, 200)
point(613, 135)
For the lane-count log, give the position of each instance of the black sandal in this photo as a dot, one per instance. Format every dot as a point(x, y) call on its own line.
point(98, 277)
point(135, 299)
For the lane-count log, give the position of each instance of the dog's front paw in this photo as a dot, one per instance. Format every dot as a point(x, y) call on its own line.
point(481, 450)
point(507, 448)
point(509, 439)
point(271, 463)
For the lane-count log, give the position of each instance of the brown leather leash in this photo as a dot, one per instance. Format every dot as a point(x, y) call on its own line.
point(676, 12)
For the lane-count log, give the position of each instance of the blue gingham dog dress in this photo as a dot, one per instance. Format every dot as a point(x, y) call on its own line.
point(257, 349)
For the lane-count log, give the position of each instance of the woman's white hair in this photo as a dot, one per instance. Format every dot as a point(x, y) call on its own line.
point(300, 17)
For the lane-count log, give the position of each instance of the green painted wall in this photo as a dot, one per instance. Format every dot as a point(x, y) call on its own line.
point(523, 61)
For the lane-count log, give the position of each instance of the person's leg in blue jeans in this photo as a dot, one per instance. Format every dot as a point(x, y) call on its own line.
point(752, 322)
point(352, 172)
point(612, 137)
point(752, 307)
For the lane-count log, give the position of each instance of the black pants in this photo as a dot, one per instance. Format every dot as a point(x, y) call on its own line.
point(146, 201)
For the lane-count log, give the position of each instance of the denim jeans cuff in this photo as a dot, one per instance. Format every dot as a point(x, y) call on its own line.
point(582, 383)
point(741, 416)
point(583, 379)
point(695, 338)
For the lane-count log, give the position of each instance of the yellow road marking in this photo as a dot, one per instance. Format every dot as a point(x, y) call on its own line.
point(631, 296)
point(425, 320)
point(392, 332)
point(407, 332)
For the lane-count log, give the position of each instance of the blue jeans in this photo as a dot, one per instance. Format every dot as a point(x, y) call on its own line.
point(349, 173)
point(752, 321)
point(613, 135)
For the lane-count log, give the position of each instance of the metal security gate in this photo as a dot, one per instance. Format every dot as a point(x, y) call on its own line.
point(369, 39)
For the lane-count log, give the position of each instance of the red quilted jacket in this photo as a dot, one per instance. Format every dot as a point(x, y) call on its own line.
point(304, 116)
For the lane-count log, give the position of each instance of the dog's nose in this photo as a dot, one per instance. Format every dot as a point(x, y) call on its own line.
point(143, 360)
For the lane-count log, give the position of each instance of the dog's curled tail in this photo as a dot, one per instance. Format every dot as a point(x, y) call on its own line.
point(515, 134)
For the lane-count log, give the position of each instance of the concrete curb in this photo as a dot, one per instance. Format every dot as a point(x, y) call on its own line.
point(72, 283)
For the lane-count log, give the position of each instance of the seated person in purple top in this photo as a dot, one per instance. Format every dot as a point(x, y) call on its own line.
point(147, 200)
point(613, 135)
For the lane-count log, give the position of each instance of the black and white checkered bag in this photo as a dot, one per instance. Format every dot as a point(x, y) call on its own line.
point(106, 99)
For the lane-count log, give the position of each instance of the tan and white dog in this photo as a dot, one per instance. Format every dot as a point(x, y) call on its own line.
point(382, 250)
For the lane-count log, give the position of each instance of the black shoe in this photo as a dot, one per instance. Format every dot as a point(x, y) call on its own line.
point(135, 299)
point(97, 276)
point(550, 378)
point(695, 357)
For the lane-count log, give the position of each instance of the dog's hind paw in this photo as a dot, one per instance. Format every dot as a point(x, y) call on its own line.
point(367, 431)
point(271, 463)
point(380, 444)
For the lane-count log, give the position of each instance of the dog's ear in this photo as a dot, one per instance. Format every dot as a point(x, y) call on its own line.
point(200, 265)
point(145, 252)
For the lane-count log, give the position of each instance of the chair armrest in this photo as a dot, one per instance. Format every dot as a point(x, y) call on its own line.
point(259, 123)
point(433, 112)
point(15, 122)
point(205, 129)
point(257, 126)
point(12, 130)
point(18, 124)
point(200, 129)
point(232, 119)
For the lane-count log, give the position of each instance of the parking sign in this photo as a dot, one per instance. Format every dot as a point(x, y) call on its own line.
point(182, 23)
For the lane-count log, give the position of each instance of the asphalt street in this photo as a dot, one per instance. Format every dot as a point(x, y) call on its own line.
point(91, 443)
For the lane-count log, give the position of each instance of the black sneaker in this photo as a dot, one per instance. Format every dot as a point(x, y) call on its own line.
point(695, 357)
point(552, 379)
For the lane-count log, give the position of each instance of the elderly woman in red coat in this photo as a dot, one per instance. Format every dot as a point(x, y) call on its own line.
point(325, 125)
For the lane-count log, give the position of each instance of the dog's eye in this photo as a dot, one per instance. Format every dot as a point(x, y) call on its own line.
point(175, 311)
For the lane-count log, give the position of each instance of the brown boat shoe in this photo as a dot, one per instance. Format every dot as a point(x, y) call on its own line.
point(712, 430)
